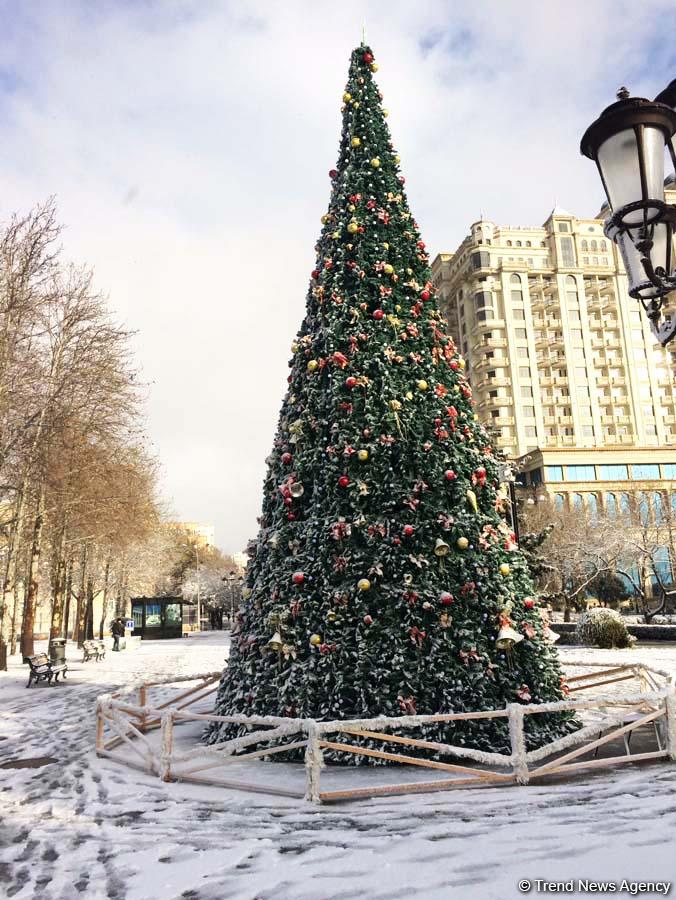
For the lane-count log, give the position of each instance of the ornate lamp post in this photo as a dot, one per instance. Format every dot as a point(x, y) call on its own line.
point(627, 142)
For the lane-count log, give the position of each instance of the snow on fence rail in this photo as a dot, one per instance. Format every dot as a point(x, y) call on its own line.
point(122, 722)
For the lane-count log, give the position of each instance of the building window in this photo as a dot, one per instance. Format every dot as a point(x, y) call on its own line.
point(611, 506)
point(625, 507)
point(559, 502)
point(554, 473)
point(524, 371)
point(612, 473)
point(580, 473)
point(643, 508)
point(584, 246)
point(658, 508)
point(522, 352)
point(529, 412)
point(662, 565)
point(520, 332)
point(567, 251)
point(578, 502)
point(669, 471)
point(646, 470)
point(530, 431)
point(563, 227)
point(593, 507)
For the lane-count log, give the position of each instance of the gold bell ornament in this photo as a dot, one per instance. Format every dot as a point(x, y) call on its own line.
point(471, 499)
point(275, 643)
point(441, 549)
point(507, 637)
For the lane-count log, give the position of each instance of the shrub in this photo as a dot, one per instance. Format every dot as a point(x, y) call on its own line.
point(603, 628)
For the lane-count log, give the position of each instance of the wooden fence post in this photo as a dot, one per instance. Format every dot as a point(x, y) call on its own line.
point(314, 763)
point(167, 745)
point(142, 700)
point(100, 724)
point(670, 721)
point(518, 743)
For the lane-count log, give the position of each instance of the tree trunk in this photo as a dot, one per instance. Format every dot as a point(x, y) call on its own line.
point(9, 581)
point(89, 611)
point(59, 625)
point(81, 609)
point(104, 604)
point(30, 598)
point(68, 581)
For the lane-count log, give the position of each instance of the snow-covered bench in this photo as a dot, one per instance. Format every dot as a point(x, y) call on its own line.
point(93, 650)
point(41, 669)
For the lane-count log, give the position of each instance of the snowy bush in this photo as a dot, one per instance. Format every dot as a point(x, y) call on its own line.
point(603, 628)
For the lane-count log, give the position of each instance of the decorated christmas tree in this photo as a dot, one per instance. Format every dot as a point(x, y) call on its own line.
point(384, 579)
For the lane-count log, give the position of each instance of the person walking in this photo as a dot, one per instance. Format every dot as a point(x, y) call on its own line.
point(117, 630)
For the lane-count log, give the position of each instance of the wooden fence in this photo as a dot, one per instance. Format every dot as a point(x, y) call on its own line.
point(125, 718)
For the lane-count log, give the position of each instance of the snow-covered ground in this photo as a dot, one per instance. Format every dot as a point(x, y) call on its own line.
point(84, 827)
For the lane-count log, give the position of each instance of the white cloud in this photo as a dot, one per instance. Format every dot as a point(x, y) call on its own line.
point(188, 145)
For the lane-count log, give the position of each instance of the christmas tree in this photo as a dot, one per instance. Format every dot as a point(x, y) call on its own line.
point(384, 580)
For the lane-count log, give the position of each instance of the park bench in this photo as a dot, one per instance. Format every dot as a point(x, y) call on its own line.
point(93, 650)
point(41, 669)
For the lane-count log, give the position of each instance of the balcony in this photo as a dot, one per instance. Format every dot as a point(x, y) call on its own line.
point(503, 421)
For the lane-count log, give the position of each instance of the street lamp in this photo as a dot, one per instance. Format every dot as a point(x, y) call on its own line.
point(627, 142)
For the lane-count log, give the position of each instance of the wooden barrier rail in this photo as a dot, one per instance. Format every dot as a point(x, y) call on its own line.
point(120, 721)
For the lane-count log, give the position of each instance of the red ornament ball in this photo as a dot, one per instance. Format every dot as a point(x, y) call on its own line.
point(343, 481)
point(298, 577)
point(378, 314)
point(446, 598)
point(425, 295)
point(333, 173)
point(351, 382)
point(287, 459)
point(315, 274)
point(368, 620)
point(367, 58)
point(396, 541)
point(454, 364)
point(450, 475)
point(290, 516)
point(529, 603)
point(408, 530)
point(420, 245)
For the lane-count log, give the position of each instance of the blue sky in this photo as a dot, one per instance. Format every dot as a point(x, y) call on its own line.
point(188, 145)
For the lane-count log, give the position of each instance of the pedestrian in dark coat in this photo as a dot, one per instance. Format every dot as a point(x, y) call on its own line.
point(117, 630)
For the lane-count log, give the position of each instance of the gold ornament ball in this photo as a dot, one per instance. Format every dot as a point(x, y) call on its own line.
point(504, 569)
point(462, 543)
point(422, 385)
point(347, 97)
point(325, 219)
point(246, 593)
point(335, 235)
point(386, 246)
point(385, 113)
point(294, 347)
point(388, 269)
point(312, 365)
point(397, 159)
point(353, 228)
point(398, 307)
point(461, 363)
point(356, 142)
point(356, 104)
point(409, 271)
point(409, 395)
point(315, 639)
point(351, 207)
point(375, 162)
point(331, 616)
point(363, 584)
point(362, 455)
point(374, 67)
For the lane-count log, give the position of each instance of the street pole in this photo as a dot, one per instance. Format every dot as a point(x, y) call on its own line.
point(199, 599)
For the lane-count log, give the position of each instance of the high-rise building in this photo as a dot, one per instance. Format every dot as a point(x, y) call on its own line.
point(562, 362)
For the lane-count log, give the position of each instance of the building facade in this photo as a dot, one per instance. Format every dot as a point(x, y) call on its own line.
point(202, 534)
point(563, 366)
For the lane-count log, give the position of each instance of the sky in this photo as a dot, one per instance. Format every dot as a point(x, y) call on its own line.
point(188, 146)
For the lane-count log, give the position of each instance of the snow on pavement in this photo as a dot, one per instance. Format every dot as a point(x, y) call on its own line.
point(89, 828)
